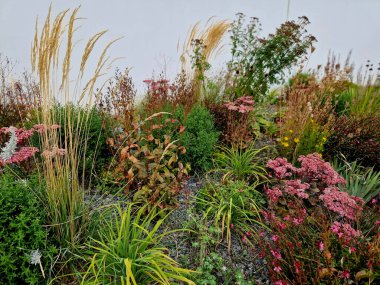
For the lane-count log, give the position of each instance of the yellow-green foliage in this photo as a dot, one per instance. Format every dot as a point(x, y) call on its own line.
point(129, 251)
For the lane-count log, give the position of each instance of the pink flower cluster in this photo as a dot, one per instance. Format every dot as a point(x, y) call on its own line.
point(345, 232)
point(281, 167)
point(297, 188)
point(42, 128)
point(22, 154)
point(342, 203)
point(21, 134)
point(54, 152)
point(273, 194)
point(242, 105)
point(316, 169)
point(160, 88)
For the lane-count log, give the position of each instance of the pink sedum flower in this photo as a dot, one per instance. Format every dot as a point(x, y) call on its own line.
point(281, 167)
point(275, 238)
point(316, 169)
point(342, 203)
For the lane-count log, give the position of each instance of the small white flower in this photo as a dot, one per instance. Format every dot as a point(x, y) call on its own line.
point(24, 182)
point(35, 257)
point(224, 268)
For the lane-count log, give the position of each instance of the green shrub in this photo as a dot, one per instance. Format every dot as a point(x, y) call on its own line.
point(21, 234)
point(128, 252)
point(258, 62)
point(199, 138)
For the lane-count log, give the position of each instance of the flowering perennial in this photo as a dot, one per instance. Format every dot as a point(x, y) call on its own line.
point(281, 167)
point(341, 202)
point(345, 232)
point(241, 105)
point(314, 176)
point(316, 169)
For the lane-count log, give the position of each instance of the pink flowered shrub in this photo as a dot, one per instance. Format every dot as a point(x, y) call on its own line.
point(342, 203)
point(239, 119)
point(316, 182)
point(318, 234)
point(315, 169)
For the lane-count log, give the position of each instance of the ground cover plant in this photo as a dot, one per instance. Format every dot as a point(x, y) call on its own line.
point(261, 173)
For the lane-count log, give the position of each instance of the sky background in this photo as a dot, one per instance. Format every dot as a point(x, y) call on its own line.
point(151, 29)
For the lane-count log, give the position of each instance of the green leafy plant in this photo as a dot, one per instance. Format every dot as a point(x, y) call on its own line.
point(312, 138)
point(234, 206)
point(259, 62)
point(199, 138)
point(240, 164)
point(128, 251)
point(150, 165)
point(211, 264)
point(24, 246)
point(360, 181)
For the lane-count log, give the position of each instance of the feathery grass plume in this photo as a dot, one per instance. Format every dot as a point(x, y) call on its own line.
point(211, 36)
point(65, 187)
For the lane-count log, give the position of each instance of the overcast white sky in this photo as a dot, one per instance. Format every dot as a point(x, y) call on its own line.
point(152, 28)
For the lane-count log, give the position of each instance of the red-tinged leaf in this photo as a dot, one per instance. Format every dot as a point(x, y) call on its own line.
point(124, 153)
point(182, 129)
point(182, 149)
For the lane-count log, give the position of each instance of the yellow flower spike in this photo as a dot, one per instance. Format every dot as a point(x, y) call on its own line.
point(296, 140)
point(324, 139)
point(291, 131)
point(286, 144)
point(286, 138)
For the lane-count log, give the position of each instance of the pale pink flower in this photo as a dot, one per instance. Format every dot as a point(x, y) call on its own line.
point(276, 254)
point(275, 238)
point(321, 246)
